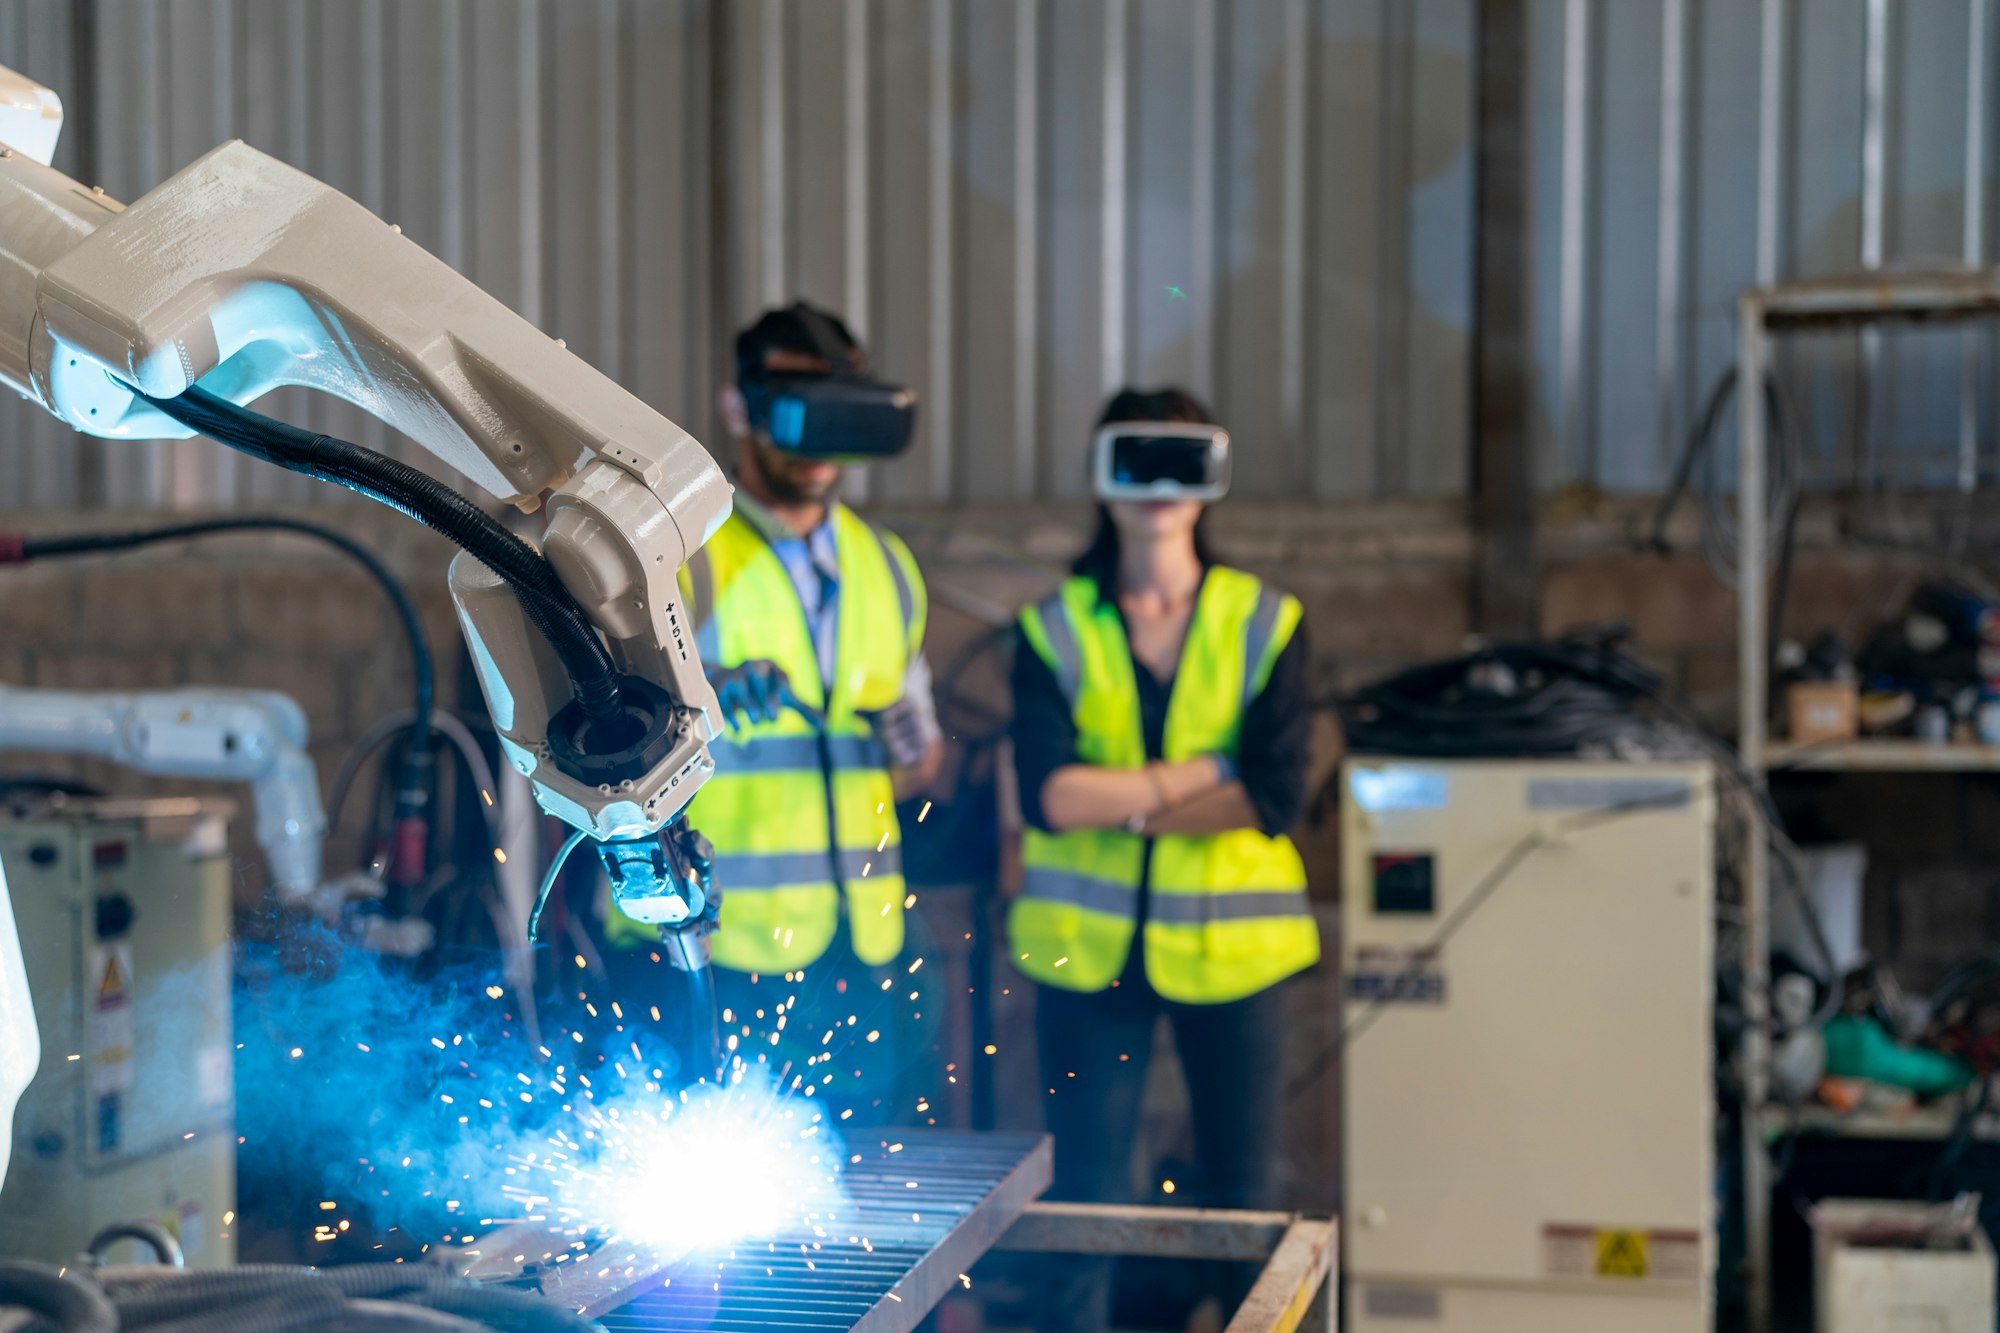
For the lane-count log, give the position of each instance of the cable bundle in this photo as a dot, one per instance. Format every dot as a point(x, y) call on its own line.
point(1539, 698)
point(274, 1298)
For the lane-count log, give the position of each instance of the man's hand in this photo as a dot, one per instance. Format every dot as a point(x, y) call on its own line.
point(906, 732)
point(750, 692)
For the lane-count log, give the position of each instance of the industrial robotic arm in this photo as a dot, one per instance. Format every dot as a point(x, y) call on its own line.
point(240, 274)
point(249, 736)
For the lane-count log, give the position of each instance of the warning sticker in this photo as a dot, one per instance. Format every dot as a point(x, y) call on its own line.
point(114, 975)
point(109, 1026)
point(1621, 1253)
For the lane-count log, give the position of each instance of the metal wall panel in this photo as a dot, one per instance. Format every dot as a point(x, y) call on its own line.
point(1023, 203)
point(1686, 149)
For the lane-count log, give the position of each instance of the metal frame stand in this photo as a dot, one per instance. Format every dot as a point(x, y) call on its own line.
point(1300, 1254)
point(1859, 300)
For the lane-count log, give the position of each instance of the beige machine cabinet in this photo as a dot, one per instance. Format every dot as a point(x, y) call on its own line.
point(123, 909)
point(1529, 1123)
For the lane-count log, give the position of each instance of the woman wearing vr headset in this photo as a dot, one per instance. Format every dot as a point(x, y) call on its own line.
point(1160, 746)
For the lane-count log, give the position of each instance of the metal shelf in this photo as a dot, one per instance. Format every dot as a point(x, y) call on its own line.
point(1884, 756)
point(1853, 299)
point(1932, 1123)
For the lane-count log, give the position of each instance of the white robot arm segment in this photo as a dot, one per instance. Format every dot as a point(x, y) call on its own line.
point(241, 274)
point(252, 736)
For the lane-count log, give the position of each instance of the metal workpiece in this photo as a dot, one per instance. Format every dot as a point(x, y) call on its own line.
point(921, 1209)
point(1299, 1254)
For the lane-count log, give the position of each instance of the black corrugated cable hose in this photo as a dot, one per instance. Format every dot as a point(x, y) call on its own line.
point(70, 1305)
point(414, 782)
point(549, 605)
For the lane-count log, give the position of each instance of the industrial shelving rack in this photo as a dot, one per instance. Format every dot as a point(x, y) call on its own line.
point(1858, 301)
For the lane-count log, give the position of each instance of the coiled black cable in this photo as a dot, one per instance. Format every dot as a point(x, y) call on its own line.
point(549, 605)
point(1508, 700)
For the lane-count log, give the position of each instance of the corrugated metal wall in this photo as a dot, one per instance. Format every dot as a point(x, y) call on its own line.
point(1686, 149)
point(1024, 202)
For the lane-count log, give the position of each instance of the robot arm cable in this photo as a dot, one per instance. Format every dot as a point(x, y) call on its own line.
point(547, 603)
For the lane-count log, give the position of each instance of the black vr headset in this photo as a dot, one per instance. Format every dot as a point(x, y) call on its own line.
point(842, 416)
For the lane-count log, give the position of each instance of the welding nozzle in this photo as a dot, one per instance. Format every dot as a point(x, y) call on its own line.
point(665, 880)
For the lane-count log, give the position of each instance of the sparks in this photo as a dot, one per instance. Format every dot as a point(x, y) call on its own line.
point(721, 1168)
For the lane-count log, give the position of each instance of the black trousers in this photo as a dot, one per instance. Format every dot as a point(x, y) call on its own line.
point(1094, 1052)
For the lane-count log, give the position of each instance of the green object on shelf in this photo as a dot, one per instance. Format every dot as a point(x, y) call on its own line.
point(1858, 1047)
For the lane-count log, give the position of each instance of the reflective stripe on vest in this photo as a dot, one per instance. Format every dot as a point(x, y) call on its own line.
point(1103, 895)
point(1226, 915)
point(793, 868)
point(782, 868)
point(774, 754)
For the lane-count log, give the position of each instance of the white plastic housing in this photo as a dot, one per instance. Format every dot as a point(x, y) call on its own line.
point(242, 274)
point(1104, 478)
point(20, 1039)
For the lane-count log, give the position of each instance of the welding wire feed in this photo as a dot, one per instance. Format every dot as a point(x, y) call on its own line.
point(383, 731)
point(549, 884)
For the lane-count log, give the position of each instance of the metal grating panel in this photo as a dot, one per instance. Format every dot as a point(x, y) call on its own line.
point(918, 1218)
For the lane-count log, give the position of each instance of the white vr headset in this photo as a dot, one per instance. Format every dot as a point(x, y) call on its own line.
point(1160, 460)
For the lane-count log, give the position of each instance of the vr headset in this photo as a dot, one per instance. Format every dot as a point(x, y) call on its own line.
point(1160, 460)
point(843, 416)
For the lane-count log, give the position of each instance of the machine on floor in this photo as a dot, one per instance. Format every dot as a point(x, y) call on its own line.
point(123, 909)
point(1529, 1105)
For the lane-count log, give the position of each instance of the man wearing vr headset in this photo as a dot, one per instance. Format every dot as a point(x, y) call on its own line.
point(1160, 746)
point(810, 622)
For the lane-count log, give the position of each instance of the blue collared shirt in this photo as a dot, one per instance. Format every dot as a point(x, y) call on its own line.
point(813, 563)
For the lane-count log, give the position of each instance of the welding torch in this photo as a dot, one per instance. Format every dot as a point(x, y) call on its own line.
point(668, 880)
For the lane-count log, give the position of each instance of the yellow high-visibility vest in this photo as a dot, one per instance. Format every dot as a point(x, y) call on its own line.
point(1227, 914)
point(800, 820)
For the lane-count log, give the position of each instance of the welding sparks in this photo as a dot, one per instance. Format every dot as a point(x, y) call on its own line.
point(706, 1174)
